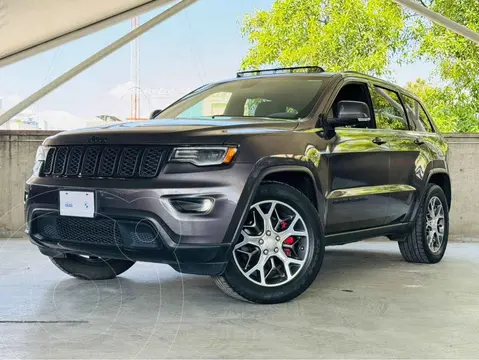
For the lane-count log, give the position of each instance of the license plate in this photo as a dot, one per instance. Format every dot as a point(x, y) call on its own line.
point(77, 203)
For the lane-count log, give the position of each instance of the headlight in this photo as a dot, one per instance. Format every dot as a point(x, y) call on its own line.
point(204, 156)
point(39, 159)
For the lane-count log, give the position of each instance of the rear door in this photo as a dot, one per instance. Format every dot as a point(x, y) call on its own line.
point(394, 128)
point(428, 146)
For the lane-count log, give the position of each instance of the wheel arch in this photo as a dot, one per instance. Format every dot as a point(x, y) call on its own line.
point(300, 178)
point(441, 178)
point(266, 170)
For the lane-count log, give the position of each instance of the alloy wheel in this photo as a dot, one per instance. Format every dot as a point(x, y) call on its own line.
point(435, 222)
point(274, 244)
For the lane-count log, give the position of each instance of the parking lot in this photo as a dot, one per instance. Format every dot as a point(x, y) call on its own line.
point(366, 302)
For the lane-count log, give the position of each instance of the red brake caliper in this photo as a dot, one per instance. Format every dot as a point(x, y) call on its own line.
point(288, 241)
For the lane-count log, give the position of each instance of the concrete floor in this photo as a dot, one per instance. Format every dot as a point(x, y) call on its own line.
point(365, 303)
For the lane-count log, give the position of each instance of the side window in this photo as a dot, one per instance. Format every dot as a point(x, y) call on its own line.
point(356, 92)
point(388, 110)
point(417, 115)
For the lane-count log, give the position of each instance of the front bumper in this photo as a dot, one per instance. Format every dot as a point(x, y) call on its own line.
point(134, 220)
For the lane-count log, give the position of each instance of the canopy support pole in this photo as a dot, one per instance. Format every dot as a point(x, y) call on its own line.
point(94, 59)
point(440, 20)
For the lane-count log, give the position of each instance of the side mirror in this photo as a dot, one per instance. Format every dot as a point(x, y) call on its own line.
point(155, 113)
point(351, 113)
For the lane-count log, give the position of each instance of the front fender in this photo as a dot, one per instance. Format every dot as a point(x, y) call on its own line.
point(261, 169)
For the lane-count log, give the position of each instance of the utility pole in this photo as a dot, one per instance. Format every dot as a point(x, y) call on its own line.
point(135, 73)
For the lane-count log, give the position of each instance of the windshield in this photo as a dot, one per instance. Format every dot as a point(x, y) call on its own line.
point(277, 98)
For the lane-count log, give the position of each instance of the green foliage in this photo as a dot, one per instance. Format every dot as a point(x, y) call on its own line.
point(457, 58)
point(336, 34)
point(452, 110)
point(369, 36)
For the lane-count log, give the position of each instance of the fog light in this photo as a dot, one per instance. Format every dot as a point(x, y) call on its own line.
point(193, 205)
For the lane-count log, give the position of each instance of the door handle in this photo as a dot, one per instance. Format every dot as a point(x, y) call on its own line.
point(418, 141)
point(379, 141)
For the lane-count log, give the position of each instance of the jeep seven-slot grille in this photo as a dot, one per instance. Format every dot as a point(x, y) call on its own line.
point(103, 161)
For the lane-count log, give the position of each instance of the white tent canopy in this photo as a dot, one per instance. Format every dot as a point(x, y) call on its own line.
point(28, 27)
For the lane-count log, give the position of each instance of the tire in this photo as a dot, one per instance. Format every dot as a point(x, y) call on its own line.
point(91, 268)
point(235, 283)
point(415, 248)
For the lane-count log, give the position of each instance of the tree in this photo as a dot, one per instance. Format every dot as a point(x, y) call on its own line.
point(456, 58)
point(336, 34)
point(369, 36)
point(451, 110)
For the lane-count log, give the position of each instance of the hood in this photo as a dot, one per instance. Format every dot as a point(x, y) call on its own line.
point(171, 131)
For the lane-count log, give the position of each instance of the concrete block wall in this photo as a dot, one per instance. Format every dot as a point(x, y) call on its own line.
point(464, 170)
point(18, 148)
point(17, 153)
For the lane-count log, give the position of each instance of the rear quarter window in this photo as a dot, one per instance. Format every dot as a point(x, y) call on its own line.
point(417, 116)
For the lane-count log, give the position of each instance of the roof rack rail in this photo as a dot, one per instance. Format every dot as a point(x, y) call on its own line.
point(297, 69)
point(355, 72)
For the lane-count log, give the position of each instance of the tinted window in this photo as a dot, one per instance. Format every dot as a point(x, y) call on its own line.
point(388, 110)
point(279, 98)
point(417, 115)
point(354, 92)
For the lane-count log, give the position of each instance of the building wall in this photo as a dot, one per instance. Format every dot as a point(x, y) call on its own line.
point(17, 151)
point(464, 170)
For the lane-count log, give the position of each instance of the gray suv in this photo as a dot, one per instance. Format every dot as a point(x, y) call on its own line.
point(246, 180)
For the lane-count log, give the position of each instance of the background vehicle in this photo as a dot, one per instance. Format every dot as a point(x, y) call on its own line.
point(246, 180)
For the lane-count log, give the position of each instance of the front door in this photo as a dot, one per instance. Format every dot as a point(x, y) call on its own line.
point(357, 164)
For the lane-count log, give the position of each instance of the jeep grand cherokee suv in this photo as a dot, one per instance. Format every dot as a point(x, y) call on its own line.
point(246, 180)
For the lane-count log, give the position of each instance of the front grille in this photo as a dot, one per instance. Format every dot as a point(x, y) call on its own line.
point(108, 160)
point(48, 166)
point(60, 160)
point(150, 162)
point(74, 160)
point(103, 161)
point(90, 161)
point(128, 161)
point(91, 231)
point(98, 231)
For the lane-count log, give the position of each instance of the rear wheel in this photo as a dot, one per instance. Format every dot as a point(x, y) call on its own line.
point(91, 267)
point(280, 250)
point(427, 241)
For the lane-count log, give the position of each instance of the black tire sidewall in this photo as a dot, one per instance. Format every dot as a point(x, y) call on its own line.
point(435, 190)
point(288, 291)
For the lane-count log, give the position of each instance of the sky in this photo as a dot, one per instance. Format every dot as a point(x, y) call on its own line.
point(199, 45)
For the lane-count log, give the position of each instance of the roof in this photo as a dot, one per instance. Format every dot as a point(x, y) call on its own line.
point(325, 74)
point(28, 27)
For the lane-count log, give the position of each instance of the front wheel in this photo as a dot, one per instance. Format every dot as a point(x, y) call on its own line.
point(280, 249)
point(427, 240)
point(91, 267)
